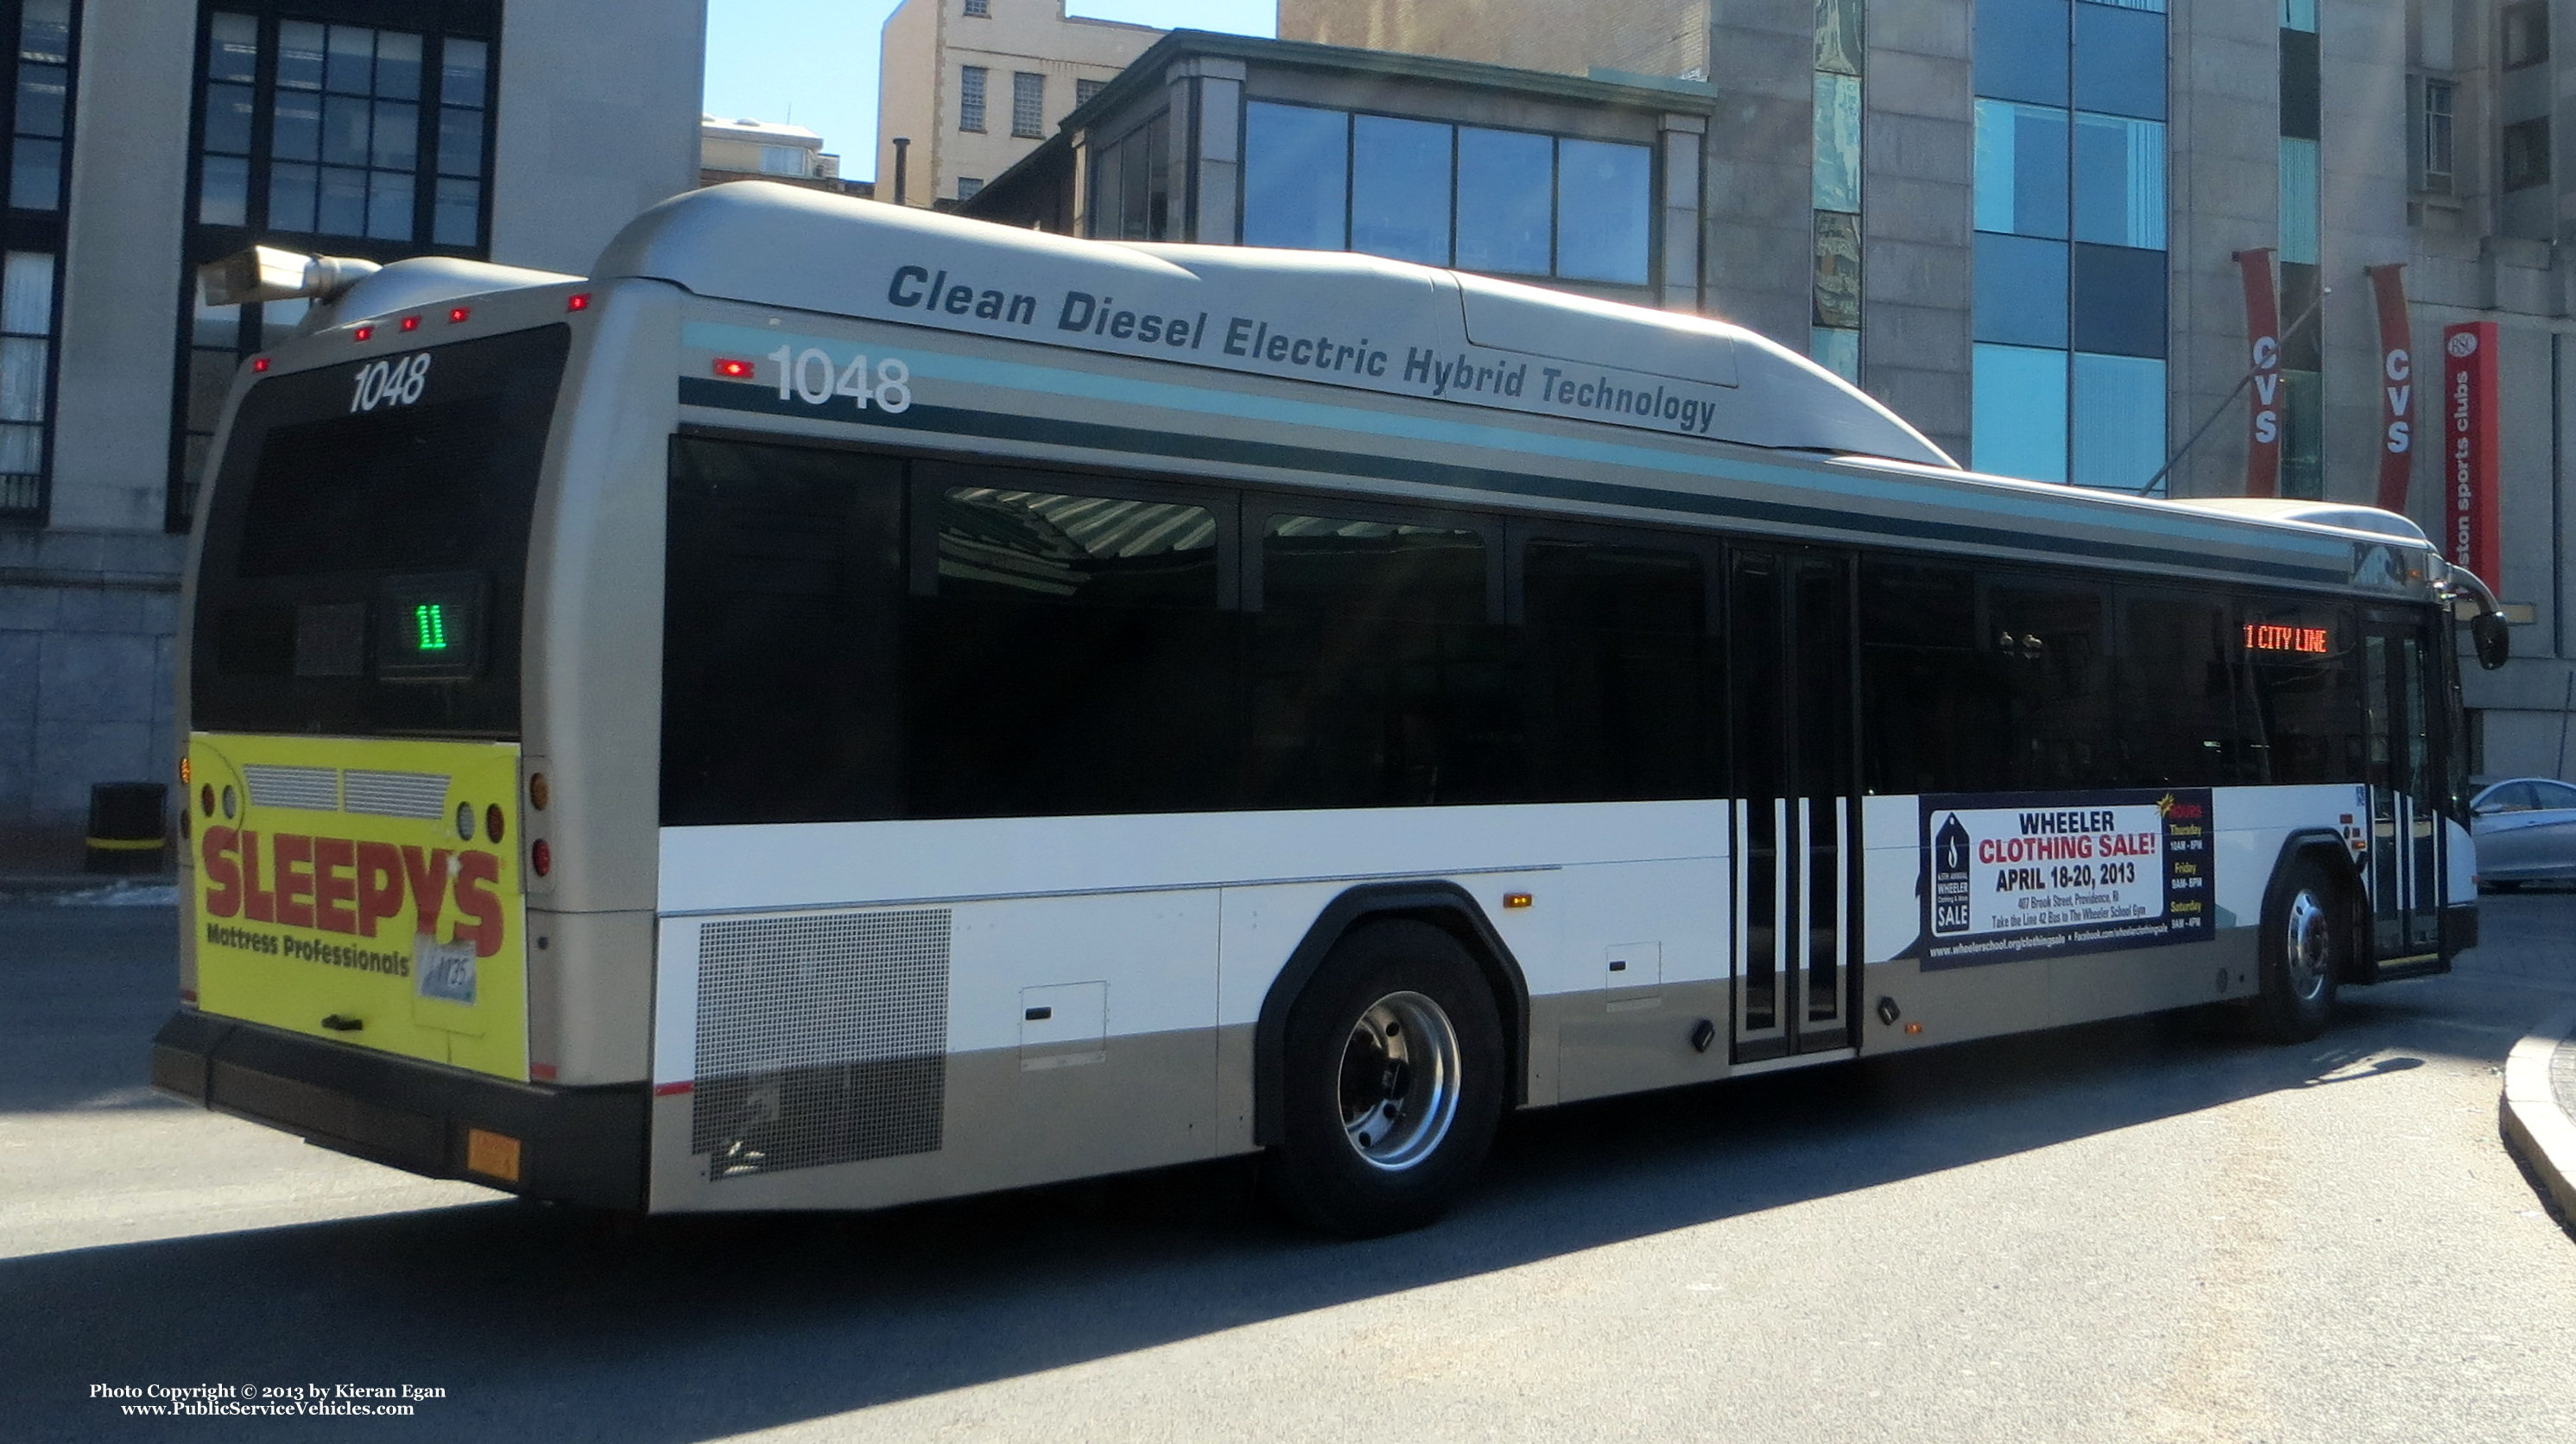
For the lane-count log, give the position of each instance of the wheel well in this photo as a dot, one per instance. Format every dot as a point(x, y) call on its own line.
point(2329, 852)
point(1443, 905)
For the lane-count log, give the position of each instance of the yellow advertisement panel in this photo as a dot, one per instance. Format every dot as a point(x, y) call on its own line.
point(364, 890)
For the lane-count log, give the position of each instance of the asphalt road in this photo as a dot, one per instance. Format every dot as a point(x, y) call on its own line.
point(2140, 1230)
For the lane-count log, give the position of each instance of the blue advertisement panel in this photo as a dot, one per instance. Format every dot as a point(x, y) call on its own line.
point(2010, 876)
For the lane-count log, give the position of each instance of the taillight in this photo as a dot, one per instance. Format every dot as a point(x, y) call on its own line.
point(542, 858)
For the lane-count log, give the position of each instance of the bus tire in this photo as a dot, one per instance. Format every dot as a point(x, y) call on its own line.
point(1391, 1082)
point(2306, 945)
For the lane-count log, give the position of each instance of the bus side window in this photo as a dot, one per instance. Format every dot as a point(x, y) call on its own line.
point(2050, 644)
point(2177, 692)
point(1378, 679)
point(1073, 658)
point(1615, 672)
point(780, 626)
point(1932, 708)
point(2305, 702)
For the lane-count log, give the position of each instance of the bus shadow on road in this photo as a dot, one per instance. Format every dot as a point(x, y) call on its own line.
point(544, 1322)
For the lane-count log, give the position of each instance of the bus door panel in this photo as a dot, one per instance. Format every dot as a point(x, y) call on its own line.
point(1794, 780)
point(2405, 866)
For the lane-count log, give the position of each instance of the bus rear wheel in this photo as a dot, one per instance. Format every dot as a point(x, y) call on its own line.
point(1392, 1083)
point(2306, 944)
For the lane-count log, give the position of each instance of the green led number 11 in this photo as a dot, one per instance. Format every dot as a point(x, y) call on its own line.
point(431, 619)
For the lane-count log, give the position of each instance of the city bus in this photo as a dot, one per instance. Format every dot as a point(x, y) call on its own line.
point(846, 705)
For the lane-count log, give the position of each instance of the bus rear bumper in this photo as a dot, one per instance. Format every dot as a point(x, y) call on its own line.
point(575, 1145)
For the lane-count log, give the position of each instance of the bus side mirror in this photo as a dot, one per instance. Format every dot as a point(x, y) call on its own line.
point(2493, 639)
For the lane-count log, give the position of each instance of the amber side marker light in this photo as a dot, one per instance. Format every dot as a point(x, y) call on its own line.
point(1516, 899)
point(1913, 1027)
point(539, 794)
point(494, 1155)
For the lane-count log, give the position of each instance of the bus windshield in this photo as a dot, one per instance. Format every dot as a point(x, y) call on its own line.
point(366, 544)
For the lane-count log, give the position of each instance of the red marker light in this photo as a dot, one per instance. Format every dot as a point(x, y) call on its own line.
point(578, 301)
point(259, 363)
point(411, 323)
point(366, 333)
point(738, 370)
point(541, 857)
point(458, 313)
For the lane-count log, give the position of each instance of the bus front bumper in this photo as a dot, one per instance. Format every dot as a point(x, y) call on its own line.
point(575, 1145)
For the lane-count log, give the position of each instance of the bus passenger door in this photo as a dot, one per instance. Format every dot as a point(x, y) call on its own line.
point(2405, 867)
point(1796, 809)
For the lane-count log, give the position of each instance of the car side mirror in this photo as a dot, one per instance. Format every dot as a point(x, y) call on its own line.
point(2493, 639)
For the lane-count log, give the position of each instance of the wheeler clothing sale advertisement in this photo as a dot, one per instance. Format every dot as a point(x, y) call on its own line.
point(2014, 876)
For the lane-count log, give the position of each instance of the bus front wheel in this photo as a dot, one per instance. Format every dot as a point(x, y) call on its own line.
point(2306, 943)
point(1392, 1082)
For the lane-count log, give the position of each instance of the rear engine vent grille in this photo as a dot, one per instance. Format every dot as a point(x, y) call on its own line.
point(821, 1039)
point(421, 795)
point(315, 789)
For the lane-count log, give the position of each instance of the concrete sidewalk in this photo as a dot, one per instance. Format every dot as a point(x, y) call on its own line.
point(2540, 1107)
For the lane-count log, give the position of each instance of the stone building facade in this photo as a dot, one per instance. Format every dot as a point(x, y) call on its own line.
point(974, 85)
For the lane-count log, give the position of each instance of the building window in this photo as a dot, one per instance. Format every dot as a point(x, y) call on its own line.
point(785, 160)
point(1028, 104)
point(2300, 276)
point(464, 101)
point(355, 120)
point(979, 7)
point(31, 236)
point(970, 97)
point(1841, 36)
point(2526, 33)
point(2436, 100)
point(41, 120)
point(968, 185)
point(2068, 368)
point(363, 140)
point(1131, 185)
point(1508, 202)
point(26, 378)
point(2526, 153)
point(1083, 90)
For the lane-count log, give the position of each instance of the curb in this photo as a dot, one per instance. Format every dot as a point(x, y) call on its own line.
point(77, 881)
point(2535, 1127)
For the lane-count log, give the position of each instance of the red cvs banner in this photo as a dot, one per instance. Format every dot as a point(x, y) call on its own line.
point(2263, 331)
point(2396, 387)
point(2471, 535)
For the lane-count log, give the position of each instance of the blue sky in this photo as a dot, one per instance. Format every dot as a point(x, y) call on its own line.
point(815, 61)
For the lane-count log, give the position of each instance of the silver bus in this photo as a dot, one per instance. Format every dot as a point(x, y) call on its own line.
point(845, 705)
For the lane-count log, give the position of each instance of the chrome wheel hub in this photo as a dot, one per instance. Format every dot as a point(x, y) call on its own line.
point(2309, 949)
point(1399, 1081)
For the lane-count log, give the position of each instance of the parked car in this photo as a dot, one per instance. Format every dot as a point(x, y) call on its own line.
point(2526, 832)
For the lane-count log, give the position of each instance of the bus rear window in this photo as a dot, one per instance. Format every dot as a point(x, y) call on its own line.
point(366, 544)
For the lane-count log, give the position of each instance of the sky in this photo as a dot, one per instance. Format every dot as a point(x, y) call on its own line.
point(814, 62)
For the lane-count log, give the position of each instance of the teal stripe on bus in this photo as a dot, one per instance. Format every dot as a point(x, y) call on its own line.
point(2176, 528)
point(1096, 436)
